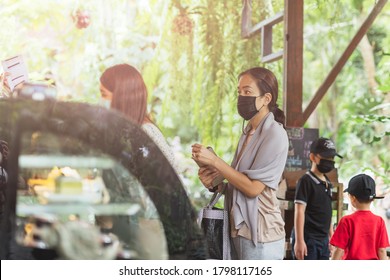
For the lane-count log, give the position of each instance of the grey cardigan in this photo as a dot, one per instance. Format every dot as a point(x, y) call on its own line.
point(263, 159)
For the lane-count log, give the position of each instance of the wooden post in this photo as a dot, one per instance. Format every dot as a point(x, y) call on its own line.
point(293, 62)
point(340, 201)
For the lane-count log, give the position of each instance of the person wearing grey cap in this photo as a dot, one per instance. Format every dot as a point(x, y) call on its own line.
point(313, 205)
point(361, 235)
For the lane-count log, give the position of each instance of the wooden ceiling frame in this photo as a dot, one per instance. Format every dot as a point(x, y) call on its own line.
point(293, 55)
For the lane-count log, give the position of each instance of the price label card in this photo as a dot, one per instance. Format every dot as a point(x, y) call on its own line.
point(17, 69)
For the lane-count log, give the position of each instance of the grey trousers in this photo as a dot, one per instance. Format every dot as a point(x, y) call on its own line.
point(244, 249)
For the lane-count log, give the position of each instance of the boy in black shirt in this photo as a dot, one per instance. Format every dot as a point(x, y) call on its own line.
point(313, 205)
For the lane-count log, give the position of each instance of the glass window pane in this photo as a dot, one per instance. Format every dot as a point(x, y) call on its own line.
point(83, 203)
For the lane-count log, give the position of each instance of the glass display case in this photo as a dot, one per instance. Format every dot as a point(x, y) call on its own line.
point(67, 189)
point(83, 182)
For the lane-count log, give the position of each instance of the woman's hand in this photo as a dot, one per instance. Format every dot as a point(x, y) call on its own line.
point(207, 159)
point(202, 155)
point(207, 176)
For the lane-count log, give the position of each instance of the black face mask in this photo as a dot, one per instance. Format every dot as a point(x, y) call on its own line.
point(325, 166)
point(246, 106)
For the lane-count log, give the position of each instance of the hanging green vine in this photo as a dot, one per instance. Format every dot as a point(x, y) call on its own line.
point(206, 53)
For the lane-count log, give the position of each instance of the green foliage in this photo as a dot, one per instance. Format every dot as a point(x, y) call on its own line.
point(350, 113)
point(48, 38)
point(200, 75)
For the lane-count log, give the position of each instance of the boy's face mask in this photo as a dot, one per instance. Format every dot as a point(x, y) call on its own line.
point(325, 165)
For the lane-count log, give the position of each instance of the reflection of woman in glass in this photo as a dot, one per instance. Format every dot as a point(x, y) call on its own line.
point(123, 88)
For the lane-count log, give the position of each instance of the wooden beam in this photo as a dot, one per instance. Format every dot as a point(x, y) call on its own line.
point(266, 40)
point(342, 60)
point(272, 57)
point(278, 17)
point(293, 62)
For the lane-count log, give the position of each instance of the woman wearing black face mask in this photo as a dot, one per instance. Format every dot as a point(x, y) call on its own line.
point(257, 227)
point(313, 205)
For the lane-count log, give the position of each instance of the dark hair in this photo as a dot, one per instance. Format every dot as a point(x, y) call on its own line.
point(267, 82)
point(364, 200)
point(129, 92)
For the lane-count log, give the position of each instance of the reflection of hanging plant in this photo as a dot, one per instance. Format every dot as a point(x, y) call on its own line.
point(81, 18)
point(182, 24)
